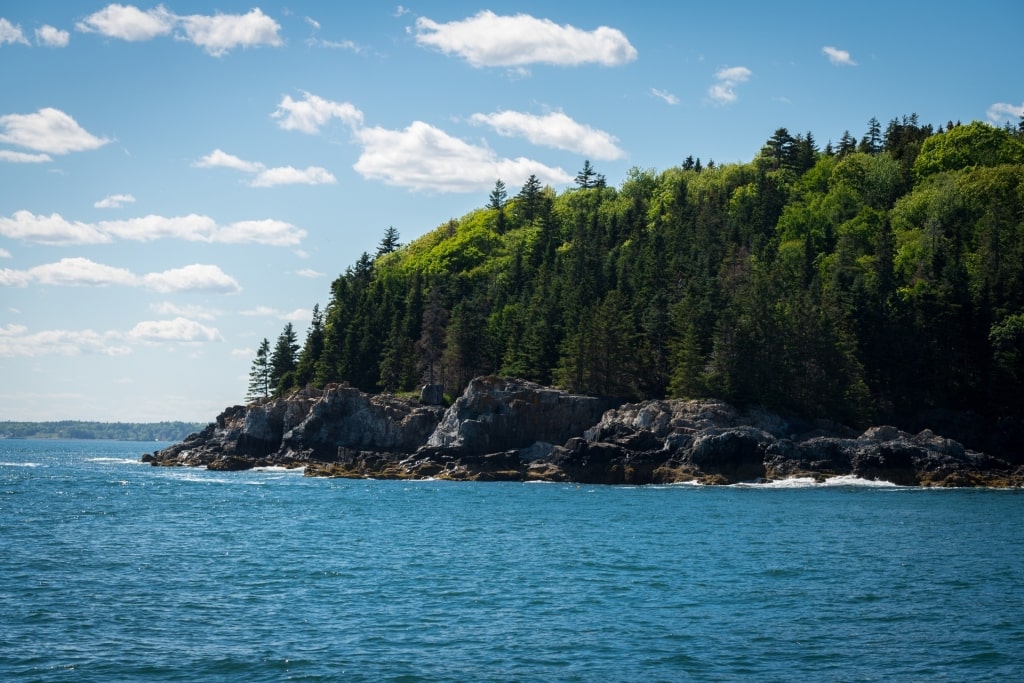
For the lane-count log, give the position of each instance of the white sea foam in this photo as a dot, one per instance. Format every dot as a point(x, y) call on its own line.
point(846, 480)
point(279, 469)
point(120, 461)
point(20, 464)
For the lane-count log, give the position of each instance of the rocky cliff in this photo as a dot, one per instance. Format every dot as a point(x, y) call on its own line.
point(506, 429)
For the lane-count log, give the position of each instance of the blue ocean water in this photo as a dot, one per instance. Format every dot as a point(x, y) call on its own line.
point(111, 570)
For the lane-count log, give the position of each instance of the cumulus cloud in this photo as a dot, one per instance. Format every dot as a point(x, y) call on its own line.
point(18, 341)
point(422, 157)
point(11, 33)
point(188, 311)
point(218, 158)
point(723, 91)
point(287, 175)
point(79, 272)
point(114, 201)
point(216, 34)
point(553, 130)
point(52, 229)
point(220, 33)
point(312, 113)
point(487, 39)
point(179, 329)
point(23, 157)
point(1004, 111)
point(56, 230)
point(48, 130)
point(268, 177)
point(49, 36)
point(837, 56)
point(127, 22)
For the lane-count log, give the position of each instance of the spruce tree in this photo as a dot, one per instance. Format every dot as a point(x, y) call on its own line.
point(259, 375)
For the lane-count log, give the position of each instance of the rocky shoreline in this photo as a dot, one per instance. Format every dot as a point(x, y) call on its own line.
point(504, 429)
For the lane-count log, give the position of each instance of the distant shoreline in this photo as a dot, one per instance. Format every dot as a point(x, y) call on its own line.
point(99, 431)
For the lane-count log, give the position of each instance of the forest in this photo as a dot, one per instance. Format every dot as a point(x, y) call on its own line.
point(868, 280)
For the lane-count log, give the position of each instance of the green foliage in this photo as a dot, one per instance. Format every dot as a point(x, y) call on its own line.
point(862, 283)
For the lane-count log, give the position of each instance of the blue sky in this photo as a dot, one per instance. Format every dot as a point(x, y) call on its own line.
point(178, 181)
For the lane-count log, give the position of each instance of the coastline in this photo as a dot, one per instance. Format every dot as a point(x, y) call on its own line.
point(505, 429)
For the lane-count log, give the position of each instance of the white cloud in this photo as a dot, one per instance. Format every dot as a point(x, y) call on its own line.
point(114, 201)
point(127, 22)
point(1004, 111)
point(56, 230)
point(220, 33)
point(4, 253)
point(314, 23)
point(48, 130)
point(723, 92)
point(298, 315)
point(422, 157)
point(11, 33)
point(195, 277)
point(80, 271)
point(312, 113)
point(17, 341)
point(23, 157)
point(305, 272)
point(179, 329)
point(188, 311)
point(243, 353)
point(268, 231)
point(287, 175)
point(50, 36)
point(217, 34)
point(668, 97)
point(267, 177)
point(553, 130)
point(837, 56)
point(487, 39)
point(218, 158)
point(52, 229)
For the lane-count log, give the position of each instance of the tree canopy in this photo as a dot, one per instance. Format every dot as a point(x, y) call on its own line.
point(862, 281)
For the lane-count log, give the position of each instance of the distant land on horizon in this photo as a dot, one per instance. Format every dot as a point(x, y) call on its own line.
point(115, 431)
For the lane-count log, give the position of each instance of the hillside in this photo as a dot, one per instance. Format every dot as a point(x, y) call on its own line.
point(871, 280)
point(117, 431)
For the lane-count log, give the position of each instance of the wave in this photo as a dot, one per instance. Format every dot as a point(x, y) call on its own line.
point(119, 461)
point(21, 464)
point(845, 480)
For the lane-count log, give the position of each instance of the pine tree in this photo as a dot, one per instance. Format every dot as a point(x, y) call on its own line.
point(284, 360)
point(432, 333)
point(389, 242)
point(585, 179)
point(259, 375)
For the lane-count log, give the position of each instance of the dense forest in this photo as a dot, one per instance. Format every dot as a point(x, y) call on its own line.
point(115, 431)
point(870, 279)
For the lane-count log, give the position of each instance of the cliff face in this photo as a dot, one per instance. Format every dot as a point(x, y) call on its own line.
point(506, 429)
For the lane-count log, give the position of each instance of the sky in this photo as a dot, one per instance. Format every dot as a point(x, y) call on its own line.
point(179, 181)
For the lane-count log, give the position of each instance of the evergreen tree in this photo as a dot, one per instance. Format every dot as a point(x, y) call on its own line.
point(259, 375)
point(389, 242)
point(496, 202)
point(305, 369)
point(284, 360)
point(432, 333)
point(586, 178)
point(529, 199)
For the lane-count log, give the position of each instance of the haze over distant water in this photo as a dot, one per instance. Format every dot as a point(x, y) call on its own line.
point(114, 570)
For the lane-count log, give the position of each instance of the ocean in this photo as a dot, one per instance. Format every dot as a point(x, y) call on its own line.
point(111, 570)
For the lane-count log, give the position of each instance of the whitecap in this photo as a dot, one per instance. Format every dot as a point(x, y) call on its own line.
point(845, 480)
point(21, 464)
